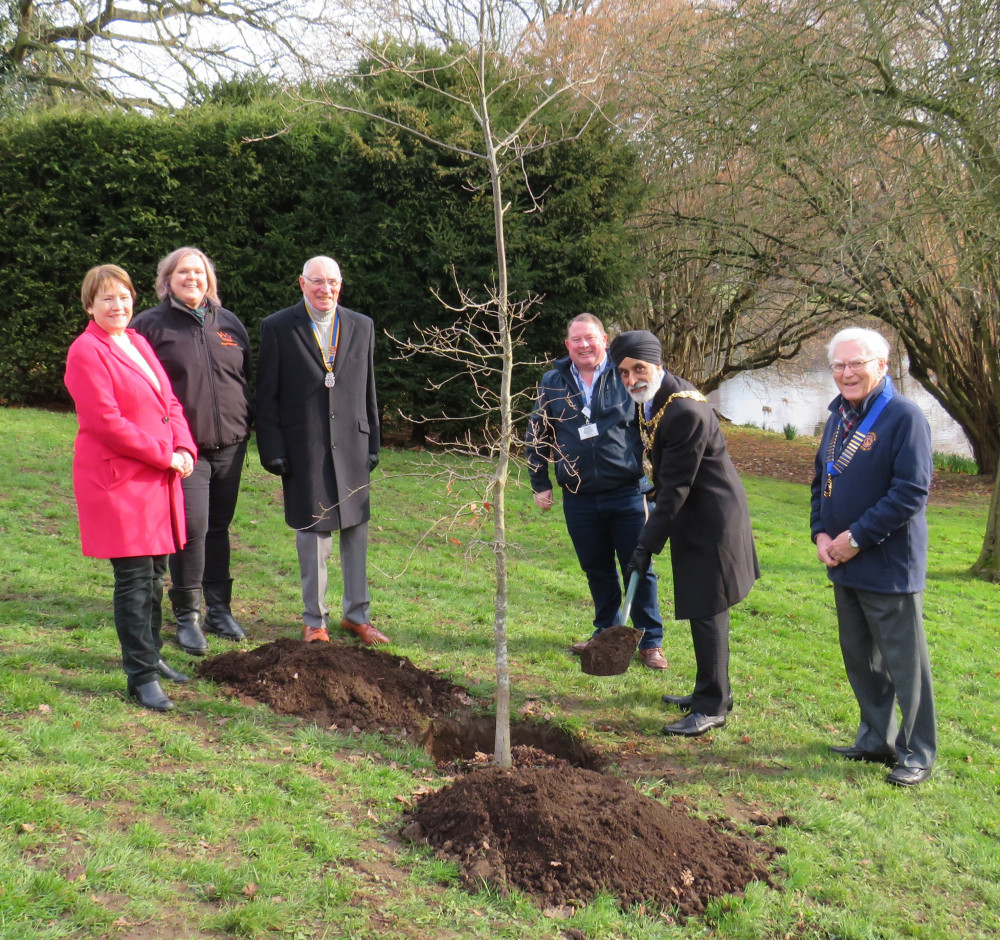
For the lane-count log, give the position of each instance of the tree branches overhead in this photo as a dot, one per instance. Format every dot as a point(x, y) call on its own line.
point(146, 53)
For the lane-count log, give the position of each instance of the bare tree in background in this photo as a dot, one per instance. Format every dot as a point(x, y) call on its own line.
point(146, 53)
point(845, 156)
point(721, 297)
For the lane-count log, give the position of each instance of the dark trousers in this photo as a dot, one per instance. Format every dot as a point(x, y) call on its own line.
point(603, 527)
point(885, 654)
point(210, 495)
point(710, 636)
point(137, 603)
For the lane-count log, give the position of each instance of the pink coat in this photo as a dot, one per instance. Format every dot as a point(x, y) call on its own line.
point(128, 499)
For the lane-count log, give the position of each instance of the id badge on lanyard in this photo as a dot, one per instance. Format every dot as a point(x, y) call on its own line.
point(588, 430)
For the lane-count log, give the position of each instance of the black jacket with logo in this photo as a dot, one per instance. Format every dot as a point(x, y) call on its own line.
point(210, 367)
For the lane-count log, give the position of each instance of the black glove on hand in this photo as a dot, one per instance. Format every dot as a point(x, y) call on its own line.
point(372, 462)
point(639, 562)
point(279, 466)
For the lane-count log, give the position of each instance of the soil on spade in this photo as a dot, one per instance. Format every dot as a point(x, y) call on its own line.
point(552, 827)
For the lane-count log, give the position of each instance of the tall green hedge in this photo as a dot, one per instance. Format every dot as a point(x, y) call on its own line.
point(261, 188)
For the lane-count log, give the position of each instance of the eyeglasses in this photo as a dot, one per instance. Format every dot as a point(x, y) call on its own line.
point(324, 281)
point(855, 365)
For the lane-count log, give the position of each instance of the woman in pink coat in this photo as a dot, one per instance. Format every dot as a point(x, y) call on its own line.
point(132, 449)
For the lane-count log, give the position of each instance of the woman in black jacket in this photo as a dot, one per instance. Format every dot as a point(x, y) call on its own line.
point(205, 350)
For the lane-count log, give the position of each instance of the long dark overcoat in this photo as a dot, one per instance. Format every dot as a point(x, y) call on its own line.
point(701, 507)
point(327, 434)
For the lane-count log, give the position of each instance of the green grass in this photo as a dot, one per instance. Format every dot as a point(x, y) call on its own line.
point(223, 820)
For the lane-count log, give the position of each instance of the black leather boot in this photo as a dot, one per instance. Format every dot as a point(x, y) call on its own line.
point(187, 613)
point(150, 695)
point(218, 616)
point(170, 673)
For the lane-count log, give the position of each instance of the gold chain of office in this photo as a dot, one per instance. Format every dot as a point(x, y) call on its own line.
point(647, 427)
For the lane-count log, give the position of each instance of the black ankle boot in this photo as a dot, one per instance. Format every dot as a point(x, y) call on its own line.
point(150, 695)
point(187, 613)
point(218, 616)
point(168, 673)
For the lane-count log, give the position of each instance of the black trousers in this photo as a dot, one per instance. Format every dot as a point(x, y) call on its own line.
point(711, 652)
point(137, 605)
point(210, 496)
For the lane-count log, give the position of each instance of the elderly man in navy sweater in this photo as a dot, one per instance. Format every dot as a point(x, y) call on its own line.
point(869, 496)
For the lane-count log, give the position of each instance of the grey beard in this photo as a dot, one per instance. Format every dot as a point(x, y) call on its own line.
point(648, 391)
point(642, 395)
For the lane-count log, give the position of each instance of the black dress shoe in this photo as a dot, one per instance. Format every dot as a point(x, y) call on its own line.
point(172, 674)
point(853, 752)
point(908, 776)
point(150, 695)
point(683, 702)
point(695, 724)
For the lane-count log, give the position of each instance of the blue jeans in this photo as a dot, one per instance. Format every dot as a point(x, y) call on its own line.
point(604, 526)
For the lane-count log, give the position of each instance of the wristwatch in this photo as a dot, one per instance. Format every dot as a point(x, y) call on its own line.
point(853, 542)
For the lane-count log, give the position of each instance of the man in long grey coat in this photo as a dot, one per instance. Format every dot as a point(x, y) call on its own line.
point(318, 428)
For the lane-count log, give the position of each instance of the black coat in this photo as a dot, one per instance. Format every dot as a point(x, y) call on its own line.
point(701, 507)
point(328, 435)
point(210, 369)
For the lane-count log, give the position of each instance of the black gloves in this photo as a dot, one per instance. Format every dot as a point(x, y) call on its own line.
point(278, 466)
point(372, 462)
point(639, 562)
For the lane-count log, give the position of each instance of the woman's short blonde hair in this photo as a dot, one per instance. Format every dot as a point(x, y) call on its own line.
point(98, 278)
point(167, 266)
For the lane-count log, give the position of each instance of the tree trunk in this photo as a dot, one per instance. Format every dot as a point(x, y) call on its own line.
point(987, 566)
point(501, 748)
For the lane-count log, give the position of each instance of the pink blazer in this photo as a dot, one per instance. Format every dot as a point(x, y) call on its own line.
point(128, 499)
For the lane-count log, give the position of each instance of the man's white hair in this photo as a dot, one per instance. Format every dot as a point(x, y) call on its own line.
point(323, 259)
point(873, 344)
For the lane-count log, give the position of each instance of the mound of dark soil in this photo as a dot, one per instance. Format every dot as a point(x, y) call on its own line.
point(551, 829)
point(337, 684)
point(564, 835)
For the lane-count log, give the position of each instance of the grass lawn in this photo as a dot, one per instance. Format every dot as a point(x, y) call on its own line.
point(221, 819)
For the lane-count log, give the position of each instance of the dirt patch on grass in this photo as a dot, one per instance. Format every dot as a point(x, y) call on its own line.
point(765, 454)
point(557, 831)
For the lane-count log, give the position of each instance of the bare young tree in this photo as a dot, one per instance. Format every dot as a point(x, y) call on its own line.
point(496, 87)
point(145, 53)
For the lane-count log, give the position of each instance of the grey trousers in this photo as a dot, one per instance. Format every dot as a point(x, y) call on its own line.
point(885, 654)
point(314, 550)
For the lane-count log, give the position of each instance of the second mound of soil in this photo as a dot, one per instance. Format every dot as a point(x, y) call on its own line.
point(566, 834)
point(337, 684)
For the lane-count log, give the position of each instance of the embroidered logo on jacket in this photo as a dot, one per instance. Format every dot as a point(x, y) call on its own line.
point(226, 339)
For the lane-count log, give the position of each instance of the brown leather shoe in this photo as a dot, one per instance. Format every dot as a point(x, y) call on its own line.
point(365, 632)
point(577, 648)
point(315, 634)
point(653, 658)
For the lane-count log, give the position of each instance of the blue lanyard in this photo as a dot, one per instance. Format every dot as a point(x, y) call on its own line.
point(838, 466)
